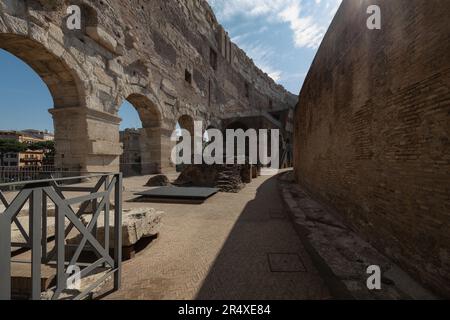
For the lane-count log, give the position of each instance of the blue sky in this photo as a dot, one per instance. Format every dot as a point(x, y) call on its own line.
point(25, 99)
point(281, 36)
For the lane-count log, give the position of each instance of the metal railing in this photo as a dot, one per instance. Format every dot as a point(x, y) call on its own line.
point(38, 194)
point(30, 173)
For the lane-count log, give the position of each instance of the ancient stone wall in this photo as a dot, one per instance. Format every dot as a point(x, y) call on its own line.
point(168, 58)
point(372, 131)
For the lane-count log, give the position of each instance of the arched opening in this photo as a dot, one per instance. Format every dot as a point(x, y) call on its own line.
point(61, 96)
point(131, 138)
point(26, 128)
point(141, 136)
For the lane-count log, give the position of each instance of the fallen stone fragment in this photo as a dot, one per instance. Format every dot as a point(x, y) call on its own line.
point(17, 237)
point(158, 181)
point(136, 224)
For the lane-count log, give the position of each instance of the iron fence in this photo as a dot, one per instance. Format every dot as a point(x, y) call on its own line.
point(30, 173)
point(37, 194)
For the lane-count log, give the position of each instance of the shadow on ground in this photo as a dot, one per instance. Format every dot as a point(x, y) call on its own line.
point(263, 257)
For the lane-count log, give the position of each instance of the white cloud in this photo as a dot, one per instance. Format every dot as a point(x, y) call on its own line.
point(305, 17)
point(307, 33)
point(307, 20)
point(262, 56)
point(275, 75)
point(229, 8)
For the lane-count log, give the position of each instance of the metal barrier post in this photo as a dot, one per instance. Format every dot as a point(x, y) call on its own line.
point(36, 244)
point(5, 254)
point(39, 194)
point(118, 232)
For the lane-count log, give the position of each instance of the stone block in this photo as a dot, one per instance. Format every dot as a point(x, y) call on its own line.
point(102, 37)
point(136, 224)
point(158, 181)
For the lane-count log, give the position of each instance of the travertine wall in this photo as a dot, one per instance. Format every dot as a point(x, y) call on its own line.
point(143, 51)
point(372, 130)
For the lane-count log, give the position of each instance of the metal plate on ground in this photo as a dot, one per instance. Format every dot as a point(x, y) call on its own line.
point(190, 193)
point(285, 262)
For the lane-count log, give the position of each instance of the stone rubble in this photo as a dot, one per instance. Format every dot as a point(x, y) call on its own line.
point(226, 178)
point(158, 181)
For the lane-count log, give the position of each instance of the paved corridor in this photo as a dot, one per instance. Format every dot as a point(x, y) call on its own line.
point(234, 246)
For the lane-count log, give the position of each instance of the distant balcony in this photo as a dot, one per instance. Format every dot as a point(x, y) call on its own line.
point(31, 160)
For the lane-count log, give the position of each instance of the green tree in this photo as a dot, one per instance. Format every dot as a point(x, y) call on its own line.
point(48, 147)
point(10, 146)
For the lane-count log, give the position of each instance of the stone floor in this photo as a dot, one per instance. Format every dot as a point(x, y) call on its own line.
point(234, 246)
point(246, 246)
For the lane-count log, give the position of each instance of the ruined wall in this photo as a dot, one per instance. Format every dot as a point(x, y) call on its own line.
point(168, 58)
point(372, 131)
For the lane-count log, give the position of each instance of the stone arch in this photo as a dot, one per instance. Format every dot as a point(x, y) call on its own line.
point(60, 79)
point(153, 140)
point(141, 97)
point(148, 112)
point(67, 93)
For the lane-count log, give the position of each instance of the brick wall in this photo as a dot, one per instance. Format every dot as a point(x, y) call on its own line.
point(372, 131)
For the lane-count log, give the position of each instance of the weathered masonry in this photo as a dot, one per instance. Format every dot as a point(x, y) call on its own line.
point(170, 59)
point(372, 131)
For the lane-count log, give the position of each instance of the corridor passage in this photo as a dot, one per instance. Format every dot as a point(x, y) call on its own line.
point(234, 246)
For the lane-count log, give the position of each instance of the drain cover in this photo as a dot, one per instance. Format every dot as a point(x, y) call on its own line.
point(285, 262)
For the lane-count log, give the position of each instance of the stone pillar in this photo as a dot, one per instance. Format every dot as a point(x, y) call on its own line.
point(87, 140)
point(104, 147)
point(156, 150)
point(70, 139)
point(151, 150)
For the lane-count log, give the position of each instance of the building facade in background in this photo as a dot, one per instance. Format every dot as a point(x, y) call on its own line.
point(39, 134)
point(28, 158)
point(131, 158)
